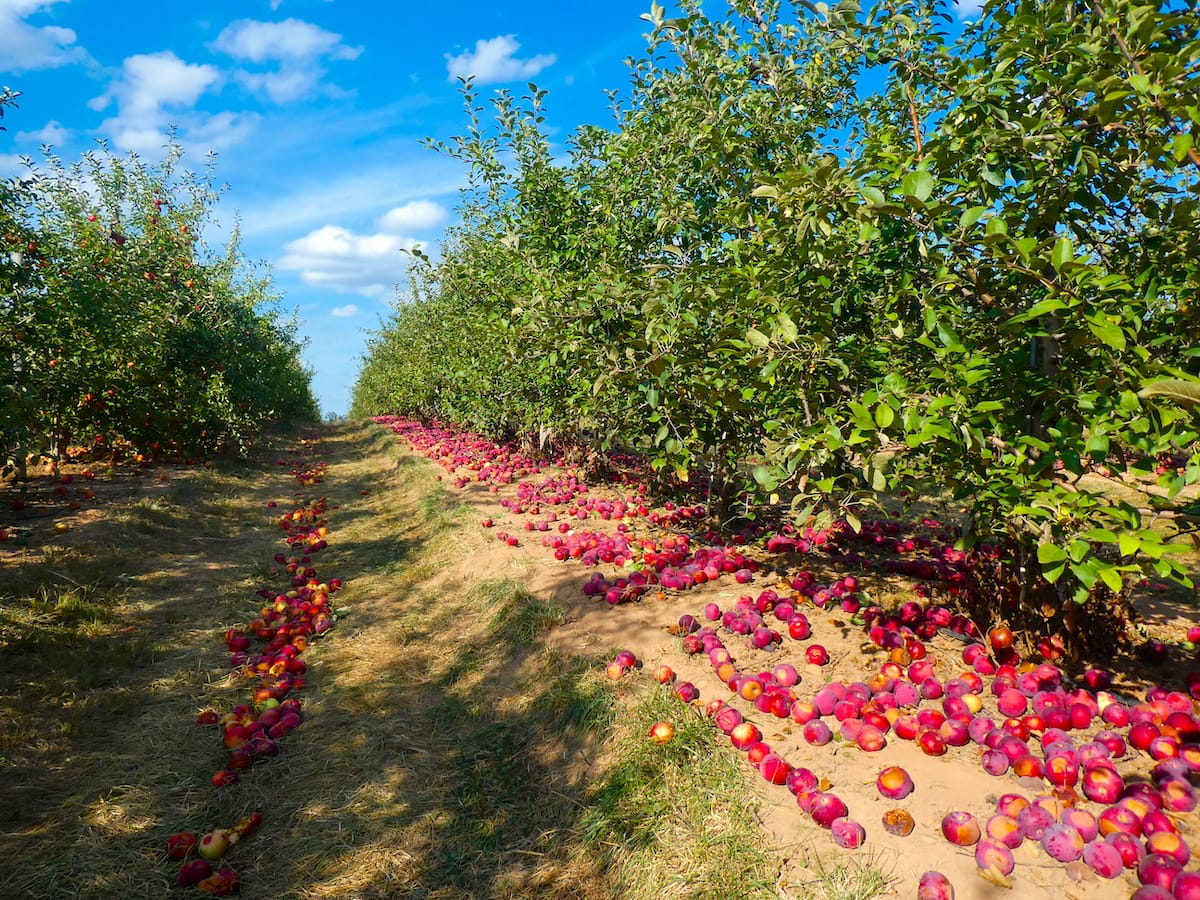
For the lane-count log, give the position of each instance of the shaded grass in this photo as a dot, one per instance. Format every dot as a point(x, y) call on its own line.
point(109, 643)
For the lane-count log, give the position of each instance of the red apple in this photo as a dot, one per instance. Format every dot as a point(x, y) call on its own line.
point(935, 886)
point(192, 873)
point(961, 828)
point(847, 833)
point(827, 807)
point(180, 845)
point(894, 783)
point(1004, 830)
point(991, 856)
point(744, 734)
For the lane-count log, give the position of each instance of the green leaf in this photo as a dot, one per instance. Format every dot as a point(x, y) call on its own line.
point(917, 184)
point(1048, 554)
point(764, 476)
point(757, 338)
point(1186, 393)
point(787, 328)
point(1112, 577)
point(884, 415)
point(872, 194)
point(1128, 544)
point(854, 522)
point(1062, 254)
point(1097, 446)
point(1025, 246)
point(1053, 572)
point(1044, 307)
point(1111, 334)
point(971, 216)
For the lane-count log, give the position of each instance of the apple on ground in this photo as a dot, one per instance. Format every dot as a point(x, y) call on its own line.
point(662, 732)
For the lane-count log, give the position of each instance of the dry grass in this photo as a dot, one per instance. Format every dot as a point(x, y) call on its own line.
point(109, 643)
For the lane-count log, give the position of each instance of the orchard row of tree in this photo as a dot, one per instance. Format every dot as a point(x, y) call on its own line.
point(832, 252)
point(120, 331)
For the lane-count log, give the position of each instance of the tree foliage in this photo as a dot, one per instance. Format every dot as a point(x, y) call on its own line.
point(833, 251)
point(121, 331)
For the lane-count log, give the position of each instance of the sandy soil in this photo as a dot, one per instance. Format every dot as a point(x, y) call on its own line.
point(943, 784)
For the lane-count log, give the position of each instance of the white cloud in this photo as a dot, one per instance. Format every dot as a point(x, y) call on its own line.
point(24, 47)
point(297, 47)
point(418, 215)
point(337, 259)
point(290, 39)
point(157, 90)
point(50, 133)
point(967, 9)
point(494, 61)
point(151, 81)
point(349, 311)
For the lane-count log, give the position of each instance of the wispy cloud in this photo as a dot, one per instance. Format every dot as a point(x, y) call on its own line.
point(349, 311)
point(343, 196)
point(51, 133)
point(297, 47)
point(968, 9)
point(494, 60)
point(24, 46)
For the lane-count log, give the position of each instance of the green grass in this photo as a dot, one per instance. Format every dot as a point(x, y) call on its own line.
point(521, 616)
point(858, 880)
point(676, 819)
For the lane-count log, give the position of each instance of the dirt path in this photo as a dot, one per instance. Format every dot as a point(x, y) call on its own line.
point(459, 737)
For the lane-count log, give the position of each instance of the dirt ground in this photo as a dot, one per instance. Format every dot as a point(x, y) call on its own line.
point(47, 528)
point(943, 784)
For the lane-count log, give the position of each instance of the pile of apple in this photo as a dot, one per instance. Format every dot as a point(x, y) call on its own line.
point(454, 449)
point(1022, 719)
point(671, 564)
point(266, 651)
point(1074, 739)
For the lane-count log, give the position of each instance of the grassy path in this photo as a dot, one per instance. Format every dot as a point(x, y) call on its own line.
point(446, 751)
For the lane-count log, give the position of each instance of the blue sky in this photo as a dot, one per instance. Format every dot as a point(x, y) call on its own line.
point(316, 109)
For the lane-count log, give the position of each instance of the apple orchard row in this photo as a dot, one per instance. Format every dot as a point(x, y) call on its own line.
point(1023, 719)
